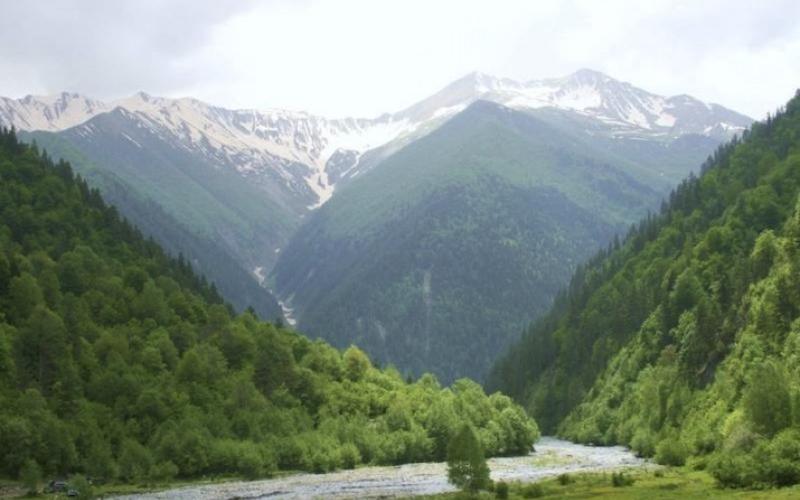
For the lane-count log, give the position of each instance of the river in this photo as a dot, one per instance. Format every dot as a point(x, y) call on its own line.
point(551, 458)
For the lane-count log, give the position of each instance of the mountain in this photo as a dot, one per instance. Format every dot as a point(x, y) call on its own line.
point(669, 135)
point(224, 225)
point(625, 109)
point(683, 341)
point(225, 188)
point(309, 154)
point(118, 362)
point(230, 188)
point(438, 257)
point(287, 153)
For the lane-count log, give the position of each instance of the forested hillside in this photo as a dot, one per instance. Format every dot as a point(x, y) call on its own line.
point(118, 362)
point(684, 342)
point(437, 258)
point(226, 225)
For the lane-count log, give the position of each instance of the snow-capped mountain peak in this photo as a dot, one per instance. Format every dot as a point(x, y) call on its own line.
point(51, 112)
point(622, 107)
point(251, 140)
point(311, 152)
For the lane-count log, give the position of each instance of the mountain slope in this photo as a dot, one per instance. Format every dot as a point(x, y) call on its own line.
point(206, 256)
point(117, 362)
point(311, 154)
point(285, 151)
point(228, 188)
point(623, 108)
point(435, 258)
point(684, 341)
point(226, 226)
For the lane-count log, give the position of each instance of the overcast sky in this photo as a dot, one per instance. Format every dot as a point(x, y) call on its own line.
point(362, 58)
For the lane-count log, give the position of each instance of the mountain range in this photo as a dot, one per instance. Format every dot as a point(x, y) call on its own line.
point(310, 154)
point(683, 341)
point(343, 218)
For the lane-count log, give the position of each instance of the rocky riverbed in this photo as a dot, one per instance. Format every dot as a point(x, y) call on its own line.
point(551, 458)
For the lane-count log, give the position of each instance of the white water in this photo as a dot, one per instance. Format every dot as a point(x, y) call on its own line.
point(551, 458)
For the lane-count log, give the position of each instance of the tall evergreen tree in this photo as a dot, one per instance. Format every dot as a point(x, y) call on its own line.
point(466, 464)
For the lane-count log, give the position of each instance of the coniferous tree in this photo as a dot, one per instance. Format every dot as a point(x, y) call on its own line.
point(466, 464)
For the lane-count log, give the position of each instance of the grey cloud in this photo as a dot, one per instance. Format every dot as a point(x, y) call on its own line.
point(109, 48)
point(343, 57)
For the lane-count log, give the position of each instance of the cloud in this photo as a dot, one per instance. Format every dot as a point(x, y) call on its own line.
point(359, 57)
point(105, 48)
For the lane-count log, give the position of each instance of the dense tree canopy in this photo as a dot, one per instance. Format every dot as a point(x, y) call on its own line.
point(118, 362)
point(683, 341)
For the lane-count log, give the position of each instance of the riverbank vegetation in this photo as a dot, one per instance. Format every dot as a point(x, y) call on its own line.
point(119, 363)
point(651, 484)
point(683, 342)
point(466, 463)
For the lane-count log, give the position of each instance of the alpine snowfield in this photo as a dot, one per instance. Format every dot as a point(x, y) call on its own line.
point(311, 155)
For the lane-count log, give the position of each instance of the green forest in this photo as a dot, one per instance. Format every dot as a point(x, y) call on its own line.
point(439, 257)
point(118, 362)
point(178, 200)
point(683, 341)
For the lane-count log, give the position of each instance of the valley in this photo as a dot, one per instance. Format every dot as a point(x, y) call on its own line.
point(344, 218)
point(410, 280)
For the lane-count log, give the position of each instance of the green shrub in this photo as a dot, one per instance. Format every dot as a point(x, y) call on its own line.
point(769, 463)
point(292, 454)
point(533, 490)
point(767, 400)
point(135, 460)
point(350, 456)
point(501, 489)
point(31, 476)
point(163, 471)
point(249, 463)
point(786, 445)
point(697, 462)
point(269, 461)
point(565, 479)
point(82, 487)
point(783, 472)
point(643, 443)
point(620, 479)
point(326, 457)
point(782, 464)
point(733, 470)
point(671, 452)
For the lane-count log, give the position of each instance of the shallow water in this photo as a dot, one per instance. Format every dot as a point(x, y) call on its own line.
point(551, 458)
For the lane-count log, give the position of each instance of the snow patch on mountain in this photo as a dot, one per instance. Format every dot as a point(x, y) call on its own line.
point(628, 110)
point(300, 148)
point(51, 113)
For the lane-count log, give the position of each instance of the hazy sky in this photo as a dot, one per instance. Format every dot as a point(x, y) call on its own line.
point(349, 57)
